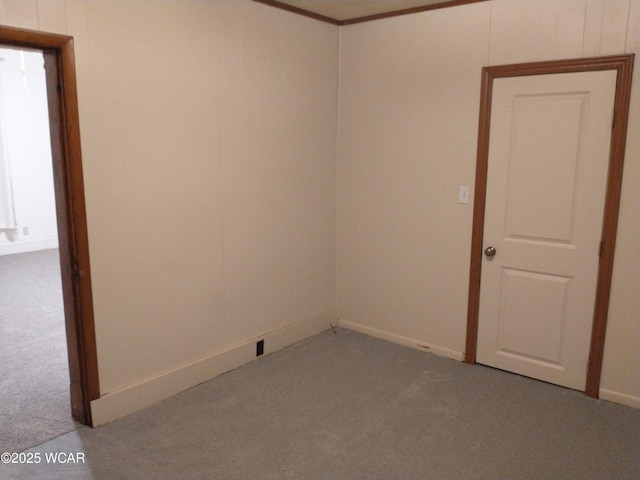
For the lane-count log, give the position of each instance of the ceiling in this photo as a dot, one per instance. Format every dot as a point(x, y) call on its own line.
point(352, 11)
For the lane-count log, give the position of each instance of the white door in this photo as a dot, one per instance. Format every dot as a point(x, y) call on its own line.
point(547, 173)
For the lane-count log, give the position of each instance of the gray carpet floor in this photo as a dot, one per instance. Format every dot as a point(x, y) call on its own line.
point(34, 372)
point(350, 406)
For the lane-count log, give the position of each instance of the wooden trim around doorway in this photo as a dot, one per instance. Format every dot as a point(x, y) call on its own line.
point(70, 209)
point(623, 64)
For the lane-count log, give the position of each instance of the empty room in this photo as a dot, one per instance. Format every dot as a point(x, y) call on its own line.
point(333, 239)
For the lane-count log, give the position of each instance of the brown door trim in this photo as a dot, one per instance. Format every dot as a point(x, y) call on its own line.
point(70, 209)
point(623, 64)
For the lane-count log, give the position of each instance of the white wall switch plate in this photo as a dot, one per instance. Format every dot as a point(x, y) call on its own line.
point(463, 194)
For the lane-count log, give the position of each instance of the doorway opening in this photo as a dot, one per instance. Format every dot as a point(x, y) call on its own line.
point(623, 66)
point(59, 64)
point(35, 378)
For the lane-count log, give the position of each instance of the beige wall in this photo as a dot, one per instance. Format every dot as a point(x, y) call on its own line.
point(409, 100)
point(409, 95)
point(208, 136)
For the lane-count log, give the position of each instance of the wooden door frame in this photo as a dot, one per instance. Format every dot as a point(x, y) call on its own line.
point(70, 210)
point(623, 64)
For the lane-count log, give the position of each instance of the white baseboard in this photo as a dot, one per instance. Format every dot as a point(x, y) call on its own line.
point(409, 342)
point(31, 245)
point(621, 398)
point(118, 404)
point(608, 395)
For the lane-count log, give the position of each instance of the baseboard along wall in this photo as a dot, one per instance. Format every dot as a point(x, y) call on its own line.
point(608, 395)
point(118, 404)
point(621, 398)
point(399, 339)
point(28, 245)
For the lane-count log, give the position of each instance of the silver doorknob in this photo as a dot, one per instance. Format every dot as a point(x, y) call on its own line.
point(490, 251)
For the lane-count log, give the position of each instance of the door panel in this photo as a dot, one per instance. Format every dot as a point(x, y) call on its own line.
point(546, 181)
point(537, 122)
point(540, 299)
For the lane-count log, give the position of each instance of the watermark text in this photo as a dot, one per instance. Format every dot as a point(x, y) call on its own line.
point(35, 458)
